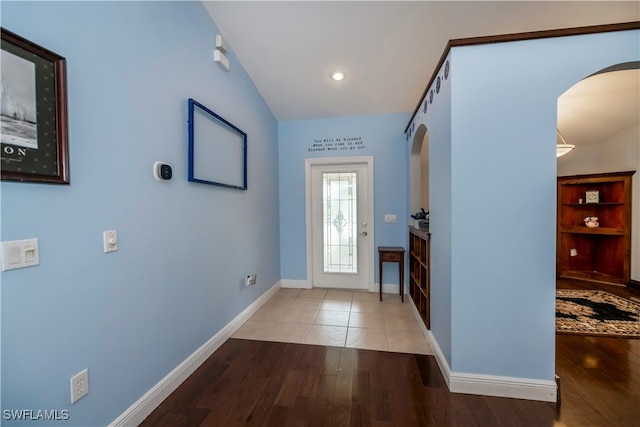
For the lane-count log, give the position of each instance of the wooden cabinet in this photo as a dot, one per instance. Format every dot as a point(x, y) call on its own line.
point(419, 271)
point(603, 253)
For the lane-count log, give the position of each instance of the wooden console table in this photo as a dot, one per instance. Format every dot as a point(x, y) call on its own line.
point(392, 254)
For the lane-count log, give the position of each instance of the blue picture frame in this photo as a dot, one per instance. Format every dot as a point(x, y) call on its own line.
point(217, 149)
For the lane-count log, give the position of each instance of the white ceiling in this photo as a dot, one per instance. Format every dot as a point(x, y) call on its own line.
point(389, 49)
point(600, 106)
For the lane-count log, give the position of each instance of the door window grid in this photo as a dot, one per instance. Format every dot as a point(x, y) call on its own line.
point(339, 197)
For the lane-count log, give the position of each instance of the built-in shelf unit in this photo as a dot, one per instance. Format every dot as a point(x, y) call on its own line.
point(602, 253)
point(419, 272)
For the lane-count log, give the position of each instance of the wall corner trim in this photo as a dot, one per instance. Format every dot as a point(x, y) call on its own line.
point(490, 385)
point(136, 413)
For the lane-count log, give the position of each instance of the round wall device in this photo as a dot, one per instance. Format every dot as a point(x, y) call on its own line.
point(162, 171)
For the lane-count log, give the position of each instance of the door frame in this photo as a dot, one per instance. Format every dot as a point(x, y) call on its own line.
point(330, 161)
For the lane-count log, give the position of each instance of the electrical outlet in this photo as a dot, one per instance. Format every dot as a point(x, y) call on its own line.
point(79, 385)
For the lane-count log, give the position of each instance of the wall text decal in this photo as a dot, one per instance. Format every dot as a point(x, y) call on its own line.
point(337, 144)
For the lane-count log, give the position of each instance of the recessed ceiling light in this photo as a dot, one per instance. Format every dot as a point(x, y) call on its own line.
point(338, 76)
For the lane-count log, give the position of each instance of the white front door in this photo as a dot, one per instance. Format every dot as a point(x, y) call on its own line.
point(340, 223)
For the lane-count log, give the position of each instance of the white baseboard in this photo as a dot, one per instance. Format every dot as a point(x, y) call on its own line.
point(491, 385)
point(442, 362)
point(388, 289)
point(295, 284)
point(136, 413)
point(488, 385)
point(306, 284)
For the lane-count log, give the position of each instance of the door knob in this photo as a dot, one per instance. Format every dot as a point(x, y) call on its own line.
point(364, 233)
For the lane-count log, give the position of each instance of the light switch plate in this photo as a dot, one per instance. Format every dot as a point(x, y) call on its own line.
point(20, 254)
point(390, 219)
point(110, 241)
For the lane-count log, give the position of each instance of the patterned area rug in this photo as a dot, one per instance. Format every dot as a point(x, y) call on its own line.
point(596, 313)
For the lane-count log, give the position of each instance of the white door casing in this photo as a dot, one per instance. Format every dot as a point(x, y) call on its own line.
point(331, 227)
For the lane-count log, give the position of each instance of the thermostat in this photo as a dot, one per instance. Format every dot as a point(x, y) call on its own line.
point(162, 171)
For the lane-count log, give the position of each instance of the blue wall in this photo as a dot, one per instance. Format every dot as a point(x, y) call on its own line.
point(438, 122)
point(504, 178)
point(184, 248)
point(383, 139)
point(493, 188)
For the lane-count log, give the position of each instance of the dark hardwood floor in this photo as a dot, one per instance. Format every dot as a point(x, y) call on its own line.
point(256, 383)
point(599, 377)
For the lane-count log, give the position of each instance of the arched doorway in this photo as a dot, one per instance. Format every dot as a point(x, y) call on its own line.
point(419, 171)
point(600, 116)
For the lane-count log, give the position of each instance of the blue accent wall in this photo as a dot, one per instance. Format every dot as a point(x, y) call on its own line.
point(132, 316)
point(439, 128)
point(504, 195)
point(493, 197)
point(383, 139)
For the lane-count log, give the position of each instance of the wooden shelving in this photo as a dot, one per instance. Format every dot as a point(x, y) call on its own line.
point(419, 271)
point(601, 254)
point(599, 230)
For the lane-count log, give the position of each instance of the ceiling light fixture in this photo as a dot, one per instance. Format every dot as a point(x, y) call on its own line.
point(564, 148)
point(338, 76)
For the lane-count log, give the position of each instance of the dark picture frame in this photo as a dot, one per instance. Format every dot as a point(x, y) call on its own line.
point(217, 149)
point(33, 113)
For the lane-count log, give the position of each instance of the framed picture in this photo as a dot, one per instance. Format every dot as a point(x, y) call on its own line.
point(33, 113)
point(592, 196)
point(217, 149)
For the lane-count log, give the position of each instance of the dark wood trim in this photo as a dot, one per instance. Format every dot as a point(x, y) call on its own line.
point(503, 38)
point(61, 114)
point(634, 284)
point(596, 177)
point(444, 55)
point(424, 234)
point(62, 122)
point(532, 35)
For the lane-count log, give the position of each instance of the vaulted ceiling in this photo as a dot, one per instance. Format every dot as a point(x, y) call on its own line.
point(388, 49)
point(600, 106)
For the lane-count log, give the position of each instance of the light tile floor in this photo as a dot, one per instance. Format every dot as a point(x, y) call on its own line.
point(338, 318)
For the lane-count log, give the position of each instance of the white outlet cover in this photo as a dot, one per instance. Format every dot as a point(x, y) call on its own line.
point(79, 384)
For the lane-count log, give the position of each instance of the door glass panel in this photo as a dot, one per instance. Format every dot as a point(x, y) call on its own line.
point(340, 222)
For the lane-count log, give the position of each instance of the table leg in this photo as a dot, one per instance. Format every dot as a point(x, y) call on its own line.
point(402, 278)
point(380, 268)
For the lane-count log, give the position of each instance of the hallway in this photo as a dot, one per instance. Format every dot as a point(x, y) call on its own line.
point(339, 318)
point(252, 380)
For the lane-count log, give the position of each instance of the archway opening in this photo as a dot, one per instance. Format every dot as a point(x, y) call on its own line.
point(600, 115)
point(419, 171)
